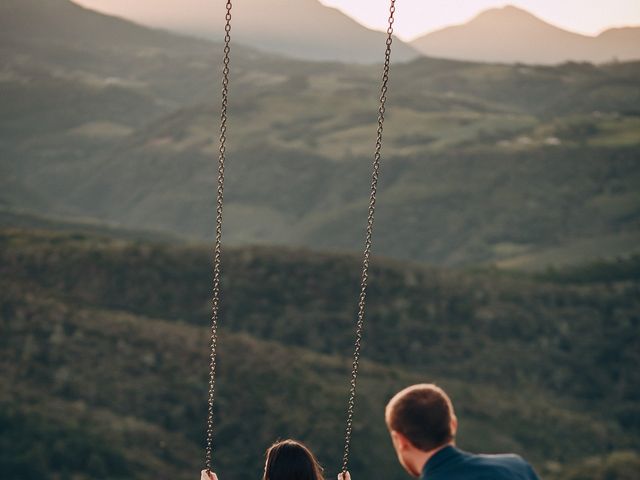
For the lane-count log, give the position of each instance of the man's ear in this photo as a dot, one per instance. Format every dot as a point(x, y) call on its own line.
point(454, 425)
point(400, 441)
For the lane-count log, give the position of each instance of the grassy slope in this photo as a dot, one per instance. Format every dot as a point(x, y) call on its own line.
point(530, 365)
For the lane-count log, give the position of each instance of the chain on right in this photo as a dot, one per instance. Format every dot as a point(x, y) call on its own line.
point(217, 250)
point(368, 241)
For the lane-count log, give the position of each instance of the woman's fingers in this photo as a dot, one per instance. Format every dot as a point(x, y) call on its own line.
point(344, 476)
point(206, 475)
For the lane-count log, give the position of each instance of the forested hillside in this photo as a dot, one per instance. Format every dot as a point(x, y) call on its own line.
point(520, 166)
point(104, 350)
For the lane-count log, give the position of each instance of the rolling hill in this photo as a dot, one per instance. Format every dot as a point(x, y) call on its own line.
point(510, 34)
point(519, 166)
point(104, 350)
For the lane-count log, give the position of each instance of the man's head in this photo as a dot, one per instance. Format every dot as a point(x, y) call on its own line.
point(421, 420)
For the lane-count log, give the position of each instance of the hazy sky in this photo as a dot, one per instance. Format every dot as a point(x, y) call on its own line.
point(415, 17)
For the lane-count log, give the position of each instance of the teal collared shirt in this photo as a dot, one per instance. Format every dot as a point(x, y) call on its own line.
point(451, 463)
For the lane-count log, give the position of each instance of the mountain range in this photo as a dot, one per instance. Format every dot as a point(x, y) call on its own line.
point(303, 29)
point(510, 35)
point(307, 29)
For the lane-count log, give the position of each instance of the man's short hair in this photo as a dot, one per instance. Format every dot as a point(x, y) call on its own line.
point(423, 414)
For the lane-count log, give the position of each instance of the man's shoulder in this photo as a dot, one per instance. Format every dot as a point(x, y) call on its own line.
point(500, 458)
point(454, 464)
point(500, 466)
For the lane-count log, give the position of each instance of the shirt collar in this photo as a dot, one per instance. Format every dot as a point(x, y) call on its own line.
point(442, 457)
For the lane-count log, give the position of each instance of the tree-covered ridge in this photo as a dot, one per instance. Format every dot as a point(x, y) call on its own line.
point(106, 344)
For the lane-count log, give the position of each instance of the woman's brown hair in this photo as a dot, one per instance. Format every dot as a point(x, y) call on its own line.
point(291, 460)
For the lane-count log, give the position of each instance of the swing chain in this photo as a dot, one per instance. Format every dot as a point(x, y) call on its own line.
point(368, 241)
point(218, 240)
point(217, 251)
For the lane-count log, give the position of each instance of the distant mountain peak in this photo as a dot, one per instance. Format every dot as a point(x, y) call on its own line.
point(508, 13)
point(507, 10)
point(511, 34)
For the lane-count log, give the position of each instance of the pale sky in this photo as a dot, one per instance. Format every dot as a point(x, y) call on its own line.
point(416, 17)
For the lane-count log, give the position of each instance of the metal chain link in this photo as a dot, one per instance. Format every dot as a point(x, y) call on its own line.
point(368, 241)
point(217, 251)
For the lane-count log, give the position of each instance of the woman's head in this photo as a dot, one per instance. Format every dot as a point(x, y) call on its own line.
point(291, 460)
